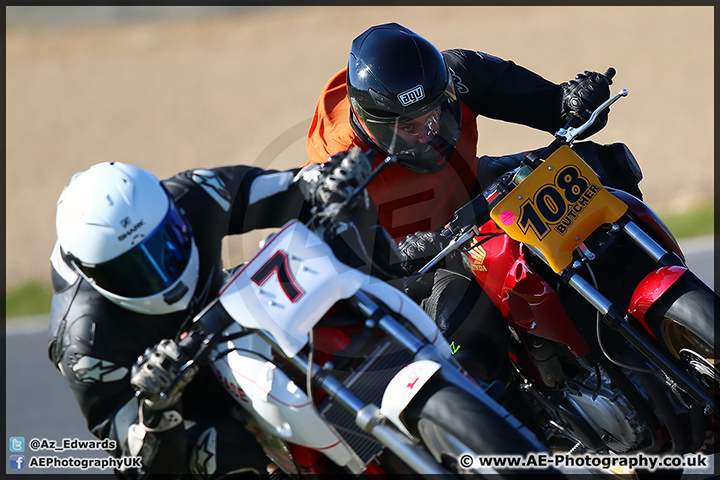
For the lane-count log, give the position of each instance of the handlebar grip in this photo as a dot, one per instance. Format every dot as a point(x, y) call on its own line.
point(610, 73)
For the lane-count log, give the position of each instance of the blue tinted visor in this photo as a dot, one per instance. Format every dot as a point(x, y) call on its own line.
point(151, 266)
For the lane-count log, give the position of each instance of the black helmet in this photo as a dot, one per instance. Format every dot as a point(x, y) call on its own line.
point(402, 97)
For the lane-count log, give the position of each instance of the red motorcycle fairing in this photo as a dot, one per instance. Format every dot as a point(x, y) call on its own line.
point(527, 302)
point(530, 304)
point(650, 289)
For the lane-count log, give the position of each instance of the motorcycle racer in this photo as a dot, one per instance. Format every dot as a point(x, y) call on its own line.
point(136, 259)
point(399, 95)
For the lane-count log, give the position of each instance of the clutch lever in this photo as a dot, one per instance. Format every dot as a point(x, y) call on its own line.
point(454, 244)
point(475, 212)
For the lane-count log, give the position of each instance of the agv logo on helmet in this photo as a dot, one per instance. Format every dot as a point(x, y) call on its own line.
point(408, 97)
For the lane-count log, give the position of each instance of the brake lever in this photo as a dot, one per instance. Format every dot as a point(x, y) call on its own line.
point(386, 163)
point(571, 133)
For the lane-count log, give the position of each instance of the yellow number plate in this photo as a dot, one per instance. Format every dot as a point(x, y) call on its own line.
point(557, 207)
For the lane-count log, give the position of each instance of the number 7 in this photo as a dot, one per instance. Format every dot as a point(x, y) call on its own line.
point(278, 264)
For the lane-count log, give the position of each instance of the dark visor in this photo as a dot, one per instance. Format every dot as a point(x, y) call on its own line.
point(441, 122)
point(150, 266)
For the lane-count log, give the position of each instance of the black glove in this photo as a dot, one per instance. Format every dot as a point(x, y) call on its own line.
point(419, 248)
point(334, 181)
point(156, 369)
point(583, 95)
point(416, 250)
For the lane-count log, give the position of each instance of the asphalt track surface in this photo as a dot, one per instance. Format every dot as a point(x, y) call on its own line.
point(40, 405)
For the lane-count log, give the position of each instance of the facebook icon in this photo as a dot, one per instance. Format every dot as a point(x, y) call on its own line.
point(17, 462)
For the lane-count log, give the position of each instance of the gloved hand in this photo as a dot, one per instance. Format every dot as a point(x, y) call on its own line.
point(156, 369)
point(583, 95)
point(334, 181)
point(418, 248)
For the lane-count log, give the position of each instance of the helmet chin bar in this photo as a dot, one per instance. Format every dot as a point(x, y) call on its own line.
point(424, 169)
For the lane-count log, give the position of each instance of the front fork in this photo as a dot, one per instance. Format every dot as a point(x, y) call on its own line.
point(616, 317)
point(368, 415)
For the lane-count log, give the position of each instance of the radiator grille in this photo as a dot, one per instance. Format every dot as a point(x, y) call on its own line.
point(367, 382)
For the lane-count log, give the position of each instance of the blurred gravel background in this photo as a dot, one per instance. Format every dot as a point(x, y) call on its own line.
point(172, 88)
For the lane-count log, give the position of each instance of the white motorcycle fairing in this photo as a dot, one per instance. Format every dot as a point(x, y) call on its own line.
point(284, 290)
point(291, 283)
point(277, 403)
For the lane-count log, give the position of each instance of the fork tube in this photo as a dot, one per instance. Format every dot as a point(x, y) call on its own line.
point(330, 384)
point(369, 418)
point(387, 323)
point(650, 246)
point(644, 241)
point(584, 288)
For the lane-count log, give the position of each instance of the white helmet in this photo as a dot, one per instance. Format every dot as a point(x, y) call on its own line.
point(122, 232)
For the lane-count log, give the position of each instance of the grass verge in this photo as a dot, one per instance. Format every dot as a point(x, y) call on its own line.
point(32, 298)
point(697, 222)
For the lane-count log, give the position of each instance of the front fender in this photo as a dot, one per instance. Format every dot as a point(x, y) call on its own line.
point(650, 289)
point(402, 389)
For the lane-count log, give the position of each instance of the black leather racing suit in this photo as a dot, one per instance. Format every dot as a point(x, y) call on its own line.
point(94, 342)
